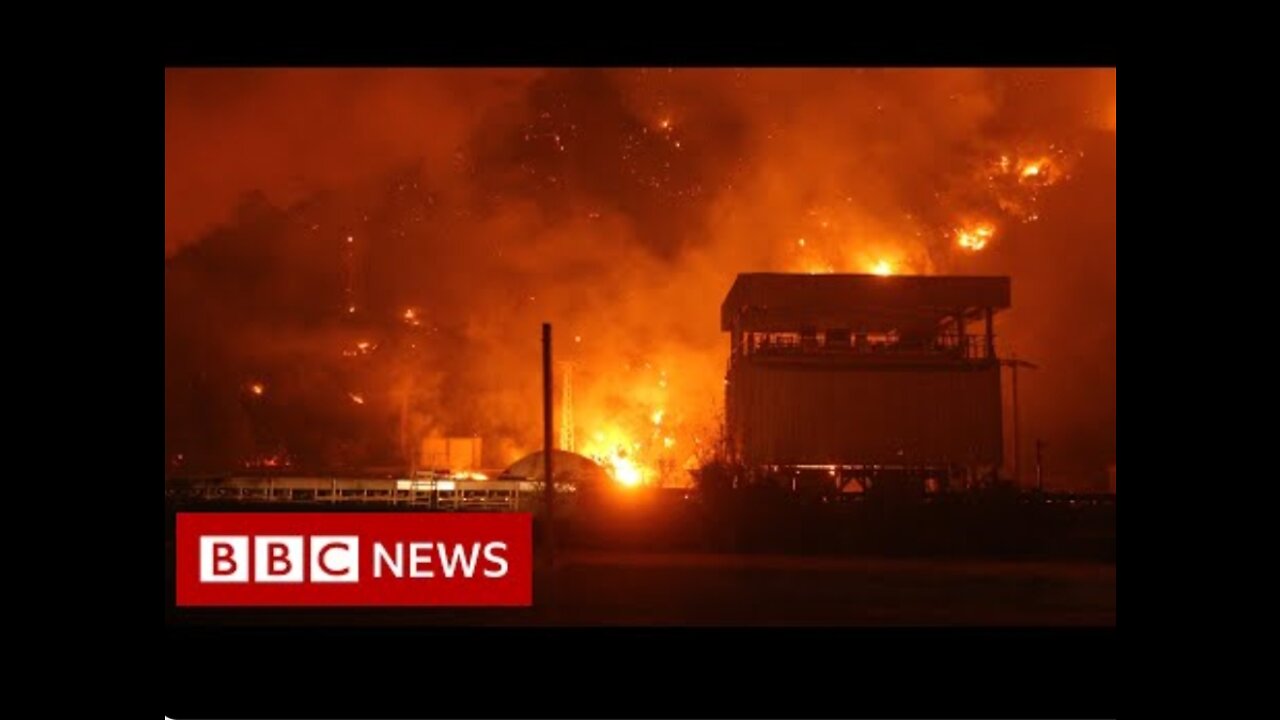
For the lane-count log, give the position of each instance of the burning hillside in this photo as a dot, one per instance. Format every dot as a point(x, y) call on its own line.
point(358, 259)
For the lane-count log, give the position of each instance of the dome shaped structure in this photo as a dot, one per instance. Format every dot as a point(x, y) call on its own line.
point(568, 468)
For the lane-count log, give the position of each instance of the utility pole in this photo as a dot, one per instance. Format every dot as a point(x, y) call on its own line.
point(1013, 364)
point(1039, 466)
point(548, 439)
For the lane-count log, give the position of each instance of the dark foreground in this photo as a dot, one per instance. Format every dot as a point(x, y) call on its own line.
point(594, 588)
point(680, 563)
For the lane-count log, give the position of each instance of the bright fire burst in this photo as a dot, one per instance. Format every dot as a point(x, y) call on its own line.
point(882, 268)
point(625, 471)
point(1037, 169)
point(636, 435)
point(617, 454)
point(975, 237)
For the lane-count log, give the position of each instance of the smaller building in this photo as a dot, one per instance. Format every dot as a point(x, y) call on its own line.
point(451, 453)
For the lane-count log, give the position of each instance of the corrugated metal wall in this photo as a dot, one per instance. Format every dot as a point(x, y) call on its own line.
point(810, 413)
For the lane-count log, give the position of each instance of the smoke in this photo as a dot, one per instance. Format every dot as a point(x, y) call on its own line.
point(618, 205)
point(291, 133)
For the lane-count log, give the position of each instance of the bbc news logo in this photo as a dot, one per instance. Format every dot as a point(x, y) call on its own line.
point(354, 559)
point(335, 558)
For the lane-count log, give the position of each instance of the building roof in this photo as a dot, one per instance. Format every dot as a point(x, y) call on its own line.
point(777, 302)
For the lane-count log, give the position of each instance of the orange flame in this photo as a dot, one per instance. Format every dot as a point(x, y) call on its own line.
point(975, 237)
point(882, 267)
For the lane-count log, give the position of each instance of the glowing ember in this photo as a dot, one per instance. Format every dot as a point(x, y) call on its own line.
point(1037, 171)
point(278, 460)
point(882, 268)
point(656, 417)
point(257, 388)
point(975, 237)
point(351, 309)
point(350, 239)
point(356, 398)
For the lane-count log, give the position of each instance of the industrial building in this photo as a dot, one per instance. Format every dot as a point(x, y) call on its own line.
point(864, 377)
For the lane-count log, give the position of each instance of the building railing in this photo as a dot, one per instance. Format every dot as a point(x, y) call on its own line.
point(942, 346)
point(439, 494)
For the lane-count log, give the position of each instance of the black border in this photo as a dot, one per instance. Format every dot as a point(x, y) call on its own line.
point(639, 672)
point(664, 35)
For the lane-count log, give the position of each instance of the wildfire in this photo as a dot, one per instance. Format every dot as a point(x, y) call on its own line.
point(617, 455)
point(1043, 168)
point(975, 237)
point(633, 430)
point(883, 268)
point(1015, 180)
point(363, 347)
